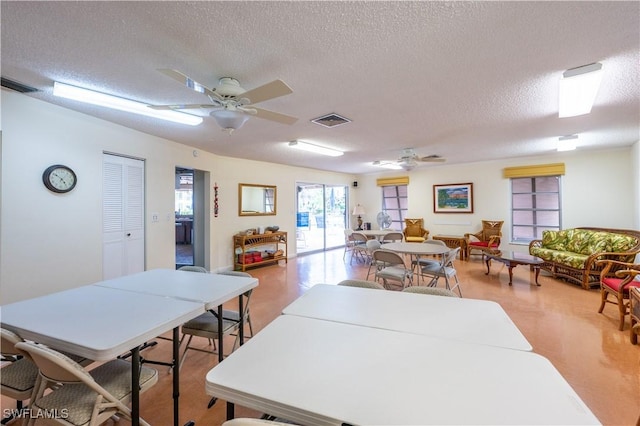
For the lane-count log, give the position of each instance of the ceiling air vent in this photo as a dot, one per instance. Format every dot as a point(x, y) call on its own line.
point(18, 87)
point(330, 120)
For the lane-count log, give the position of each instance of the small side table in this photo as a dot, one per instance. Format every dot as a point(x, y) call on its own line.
point(453, 241)
point(513, 259)
point(634, 314)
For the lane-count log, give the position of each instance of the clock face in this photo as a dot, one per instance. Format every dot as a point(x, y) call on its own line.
point(59, 178)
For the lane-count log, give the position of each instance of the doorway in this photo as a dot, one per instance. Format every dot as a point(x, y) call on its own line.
point(185, 234)
point(321, 214)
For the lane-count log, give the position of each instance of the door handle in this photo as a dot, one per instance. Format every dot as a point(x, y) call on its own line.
point(128, 234)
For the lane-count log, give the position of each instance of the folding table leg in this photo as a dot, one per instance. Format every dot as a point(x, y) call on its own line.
point(135, 386)
point(176, 376)
point(230, 410)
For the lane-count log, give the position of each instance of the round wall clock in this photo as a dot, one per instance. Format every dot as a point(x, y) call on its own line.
point(59, 178)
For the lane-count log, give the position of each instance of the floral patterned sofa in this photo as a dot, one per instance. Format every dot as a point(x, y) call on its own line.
point(571, 254)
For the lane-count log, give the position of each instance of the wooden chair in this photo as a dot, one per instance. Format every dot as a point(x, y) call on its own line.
point(617, 284)
point(486, 239)
point(414, 231)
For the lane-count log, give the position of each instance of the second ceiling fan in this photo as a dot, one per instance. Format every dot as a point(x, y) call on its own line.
point(409, 159)
point(231, 104)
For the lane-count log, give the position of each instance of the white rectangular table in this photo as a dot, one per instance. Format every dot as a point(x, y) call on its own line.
point(327, 373)
point(96, 322)
point(467, 320)
point(212, 290)
point(101, 323)
point(109, 318)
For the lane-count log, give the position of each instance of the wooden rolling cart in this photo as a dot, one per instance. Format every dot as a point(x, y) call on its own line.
point(453, 241)
point(259, 249)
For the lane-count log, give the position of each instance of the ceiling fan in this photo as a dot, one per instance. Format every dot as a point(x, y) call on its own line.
point(409, 159)
point(231, 104)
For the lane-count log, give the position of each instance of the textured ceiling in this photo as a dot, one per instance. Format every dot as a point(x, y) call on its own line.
point(469, 81)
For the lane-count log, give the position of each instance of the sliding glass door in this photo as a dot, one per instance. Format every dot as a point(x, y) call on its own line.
point(321, 216)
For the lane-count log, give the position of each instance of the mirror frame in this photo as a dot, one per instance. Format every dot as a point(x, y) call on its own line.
point(242, 212)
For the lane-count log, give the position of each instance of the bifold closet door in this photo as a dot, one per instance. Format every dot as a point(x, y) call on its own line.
point(122, 216)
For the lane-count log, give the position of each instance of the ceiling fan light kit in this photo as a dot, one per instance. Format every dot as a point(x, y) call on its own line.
point(232, 104)
point(229, 119)
point(578, 90)
point(109, 101)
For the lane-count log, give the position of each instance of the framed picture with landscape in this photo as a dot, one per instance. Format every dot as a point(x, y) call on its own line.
point(453, 198)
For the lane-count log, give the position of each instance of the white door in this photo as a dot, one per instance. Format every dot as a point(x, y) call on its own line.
point(122, 216)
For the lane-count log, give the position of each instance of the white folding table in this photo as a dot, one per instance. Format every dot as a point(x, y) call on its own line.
point(327, 373)
point(468, 320)
point(212, 290)
point(109, 318)
point(100, 323)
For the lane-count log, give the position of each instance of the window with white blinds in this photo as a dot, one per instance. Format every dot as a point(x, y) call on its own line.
point(535, 207)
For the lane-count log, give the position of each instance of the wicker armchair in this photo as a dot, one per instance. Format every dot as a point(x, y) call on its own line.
point(617, 284)
point(414, 231)
point(486, 239)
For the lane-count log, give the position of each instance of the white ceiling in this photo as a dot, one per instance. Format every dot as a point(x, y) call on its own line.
point(469, 81)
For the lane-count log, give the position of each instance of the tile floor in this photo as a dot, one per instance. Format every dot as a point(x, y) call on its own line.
point(560, 320)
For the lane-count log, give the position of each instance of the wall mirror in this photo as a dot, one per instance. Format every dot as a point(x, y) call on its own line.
point(256, 200)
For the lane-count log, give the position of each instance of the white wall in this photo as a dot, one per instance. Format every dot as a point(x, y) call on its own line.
point(600, 189)
point(50, 242)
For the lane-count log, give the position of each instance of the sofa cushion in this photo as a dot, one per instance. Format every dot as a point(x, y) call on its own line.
point(589, 242)
point(621, 243)
point(555, 240)
point(575, 260)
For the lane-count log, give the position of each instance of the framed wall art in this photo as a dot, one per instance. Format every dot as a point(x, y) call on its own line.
point(453, 198)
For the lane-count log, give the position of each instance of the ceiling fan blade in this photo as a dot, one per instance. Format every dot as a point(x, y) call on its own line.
point(433, 159)
point(188, 82)
point(267, 91)
point(274, 116)
point(183, 106)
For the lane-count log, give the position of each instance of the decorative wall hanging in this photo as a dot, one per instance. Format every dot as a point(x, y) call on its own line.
point(215, 199)
point(453, 198)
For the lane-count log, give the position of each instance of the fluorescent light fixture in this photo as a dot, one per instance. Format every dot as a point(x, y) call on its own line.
point(102, 99)
point(387, 165)
point(578, 90)
point(567, 143)
point(306, 146)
